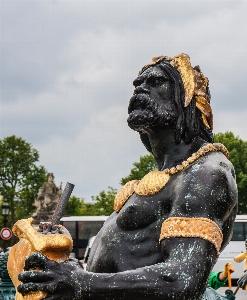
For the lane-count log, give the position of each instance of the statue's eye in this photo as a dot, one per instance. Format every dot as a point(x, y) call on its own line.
point(156, 81)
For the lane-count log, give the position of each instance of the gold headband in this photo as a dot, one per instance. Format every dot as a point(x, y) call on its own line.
point(195, 84)
point(203, 228)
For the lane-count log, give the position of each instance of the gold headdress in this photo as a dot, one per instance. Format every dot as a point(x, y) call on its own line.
point(195, 84)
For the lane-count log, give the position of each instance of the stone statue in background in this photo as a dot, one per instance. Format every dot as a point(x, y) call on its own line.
point(46, 202)
point(49, 194)
point(168, 229)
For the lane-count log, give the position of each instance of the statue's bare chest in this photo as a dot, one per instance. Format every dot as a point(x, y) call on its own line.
point(141, 211)
point(131, 233)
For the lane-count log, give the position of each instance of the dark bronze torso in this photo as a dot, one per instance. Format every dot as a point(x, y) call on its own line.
point(134, 232)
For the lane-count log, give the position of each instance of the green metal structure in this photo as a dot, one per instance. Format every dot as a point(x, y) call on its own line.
point(7, 289)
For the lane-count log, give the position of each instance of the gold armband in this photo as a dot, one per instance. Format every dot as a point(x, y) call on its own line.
point(192, 227)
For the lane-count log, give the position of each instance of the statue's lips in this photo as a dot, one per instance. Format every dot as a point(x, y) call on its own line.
point(141, 111)
point(138, 102)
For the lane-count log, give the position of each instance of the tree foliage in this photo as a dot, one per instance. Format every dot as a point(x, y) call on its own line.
point(103, 205)
point(238, 157)
point(74, 206)
point(20, 177)
point(145, 165)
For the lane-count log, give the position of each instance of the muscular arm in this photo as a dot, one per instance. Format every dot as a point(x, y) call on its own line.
point(176, 278)
point(171, 279)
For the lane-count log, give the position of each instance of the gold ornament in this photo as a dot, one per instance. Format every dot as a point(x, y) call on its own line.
point(55, 247)
point(124, 194)
point(155, 180)
point(152, 183)
point(193, 228)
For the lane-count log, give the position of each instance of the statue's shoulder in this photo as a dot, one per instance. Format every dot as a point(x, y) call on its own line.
point(218, 161)
point(212, 157)
point(215, 170)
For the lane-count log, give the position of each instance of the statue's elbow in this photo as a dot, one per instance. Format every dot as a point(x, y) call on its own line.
point(180, 287)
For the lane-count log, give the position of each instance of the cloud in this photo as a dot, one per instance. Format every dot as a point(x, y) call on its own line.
point(99, 156)
point(67, 69)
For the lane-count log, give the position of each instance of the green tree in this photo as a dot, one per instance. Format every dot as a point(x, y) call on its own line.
point(102, 204)
point(88, 209)
point(238, 157)
point(74, 206)
point(20, 177)
point(145, 165)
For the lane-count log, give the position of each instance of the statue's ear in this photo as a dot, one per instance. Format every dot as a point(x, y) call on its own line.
point(145, 141)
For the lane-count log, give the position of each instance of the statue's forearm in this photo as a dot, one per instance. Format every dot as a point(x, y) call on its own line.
point(181, 276)
point(161, 281)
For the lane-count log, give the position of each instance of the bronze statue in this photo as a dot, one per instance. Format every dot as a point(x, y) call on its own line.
point(168, 228)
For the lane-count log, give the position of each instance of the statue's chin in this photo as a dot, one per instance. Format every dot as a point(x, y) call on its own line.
point(138, 127)
point(142, 120)
point(139, 120)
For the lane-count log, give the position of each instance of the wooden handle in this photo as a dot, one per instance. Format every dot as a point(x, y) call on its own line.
point(236, 290)
point(229, 279)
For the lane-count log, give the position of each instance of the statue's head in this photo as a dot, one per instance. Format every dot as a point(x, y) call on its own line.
point(168, 91)
point(50, 176)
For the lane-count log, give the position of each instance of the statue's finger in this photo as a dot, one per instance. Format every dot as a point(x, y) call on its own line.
point(49, 227)
point(35, 276)
point(32, 287)
point(40, 229)
point(54, 297)
point(63, 230)
point(35, 260)
point(55, 229)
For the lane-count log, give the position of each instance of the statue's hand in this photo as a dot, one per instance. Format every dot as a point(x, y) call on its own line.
point(48, 228)
point(228, 267)
point(242, 280)
point(57, 280)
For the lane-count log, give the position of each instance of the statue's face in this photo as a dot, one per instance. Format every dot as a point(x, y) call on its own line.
point(152, 104)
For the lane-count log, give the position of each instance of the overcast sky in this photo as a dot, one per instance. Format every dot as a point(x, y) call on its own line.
point(67, 69)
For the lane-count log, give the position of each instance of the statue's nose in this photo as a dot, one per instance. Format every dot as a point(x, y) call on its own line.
point(141, 89)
